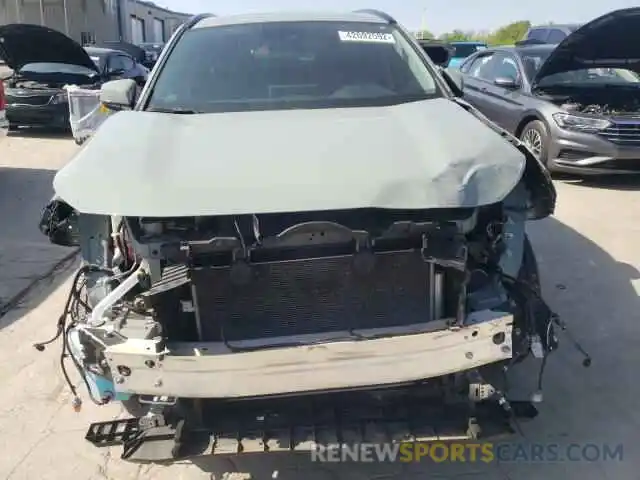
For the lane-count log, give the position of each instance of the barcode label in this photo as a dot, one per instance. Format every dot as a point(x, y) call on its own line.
point(367, 37)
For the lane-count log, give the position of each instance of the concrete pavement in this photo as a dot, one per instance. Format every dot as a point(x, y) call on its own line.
point(589, 259)
point(27, 167)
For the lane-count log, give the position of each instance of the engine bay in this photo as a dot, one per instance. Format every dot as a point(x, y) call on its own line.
point(168, 310)
point(50, 80)
point(260, 277)
point(598, 101)
point(254, 228)
point(268, 284)
point(261, 282)
point(31, 84)
point(295, 277)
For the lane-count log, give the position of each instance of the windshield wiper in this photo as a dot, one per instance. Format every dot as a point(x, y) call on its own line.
point(178, 111)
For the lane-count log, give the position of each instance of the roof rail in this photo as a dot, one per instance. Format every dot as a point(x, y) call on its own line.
point(197, 18)
point(377, 13)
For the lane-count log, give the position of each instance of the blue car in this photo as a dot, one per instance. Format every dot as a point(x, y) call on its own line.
point(462, 50)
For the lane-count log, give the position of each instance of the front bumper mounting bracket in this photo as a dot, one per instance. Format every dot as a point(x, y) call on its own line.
point(234, 433)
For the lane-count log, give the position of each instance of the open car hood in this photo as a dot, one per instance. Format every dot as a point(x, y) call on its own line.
point(609, 41)
point(21, 44)
point(419, 155)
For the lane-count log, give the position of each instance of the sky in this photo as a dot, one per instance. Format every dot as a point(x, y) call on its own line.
point(437, 16)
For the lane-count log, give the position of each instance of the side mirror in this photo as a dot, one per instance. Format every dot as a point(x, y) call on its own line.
point(59, 222)
point(506, 82)
point(454, 79)
point(439, 54)
point(119, 94)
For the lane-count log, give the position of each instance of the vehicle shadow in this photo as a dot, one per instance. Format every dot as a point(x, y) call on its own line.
point(594, 294)
point(606, 182)
point(26, 255)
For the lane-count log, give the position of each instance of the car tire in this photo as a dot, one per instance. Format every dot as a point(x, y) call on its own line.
point(536, 137)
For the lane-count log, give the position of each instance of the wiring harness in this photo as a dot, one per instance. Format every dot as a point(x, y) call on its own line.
point(76, 308)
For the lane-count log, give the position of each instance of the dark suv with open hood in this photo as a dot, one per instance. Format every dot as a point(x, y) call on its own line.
point(43, 62)
point(576, 105)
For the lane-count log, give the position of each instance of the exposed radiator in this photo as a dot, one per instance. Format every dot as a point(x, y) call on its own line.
point(314, 296)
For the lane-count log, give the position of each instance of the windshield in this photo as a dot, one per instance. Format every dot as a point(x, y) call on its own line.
point(464, 50)
point(64, 68)
point(272, 66)
point(586, 76)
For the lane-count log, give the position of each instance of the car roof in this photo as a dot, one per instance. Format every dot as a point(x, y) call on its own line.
point(557, 25)
point(100, 50)
point(432, 41)
point(524, 49)
point(269, 17)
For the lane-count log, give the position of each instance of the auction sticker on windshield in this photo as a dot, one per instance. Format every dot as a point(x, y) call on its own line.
point(369, 37)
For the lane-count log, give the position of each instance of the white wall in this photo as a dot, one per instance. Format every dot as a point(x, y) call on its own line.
point(170, 19)
point(96, 17)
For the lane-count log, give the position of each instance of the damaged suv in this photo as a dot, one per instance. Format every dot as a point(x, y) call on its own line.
point(576, 105)
point(298, 249)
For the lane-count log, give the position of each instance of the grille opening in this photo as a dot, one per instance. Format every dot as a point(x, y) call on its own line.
point(574, 155)
point(631, 164)
point(35, 100)
point(623, 133)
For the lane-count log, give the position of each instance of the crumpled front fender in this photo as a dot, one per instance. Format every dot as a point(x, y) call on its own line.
point(536, 176)
point(538, 181)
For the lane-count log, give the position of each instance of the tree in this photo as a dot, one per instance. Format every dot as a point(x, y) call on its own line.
point(506, 35)
point(456, 36)
point(424, 35)
point(509, 34)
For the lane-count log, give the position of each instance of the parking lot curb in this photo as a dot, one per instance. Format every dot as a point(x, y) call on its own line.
point(58, 266)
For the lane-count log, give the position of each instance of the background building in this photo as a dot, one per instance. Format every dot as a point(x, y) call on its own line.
point(88, 21)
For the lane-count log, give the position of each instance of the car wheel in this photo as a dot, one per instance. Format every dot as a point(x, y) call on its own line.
point(535, 136)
